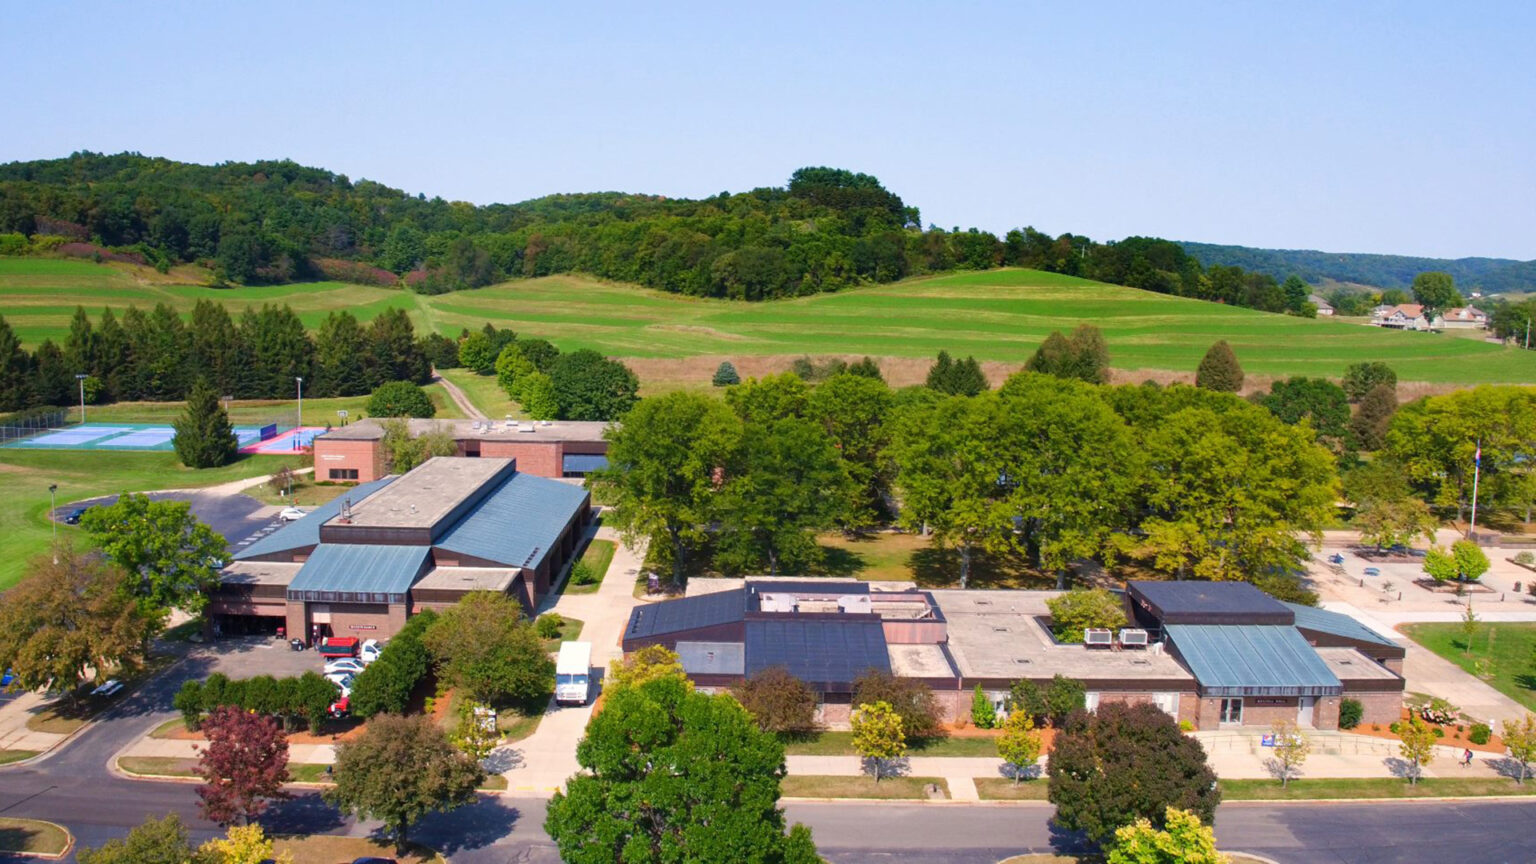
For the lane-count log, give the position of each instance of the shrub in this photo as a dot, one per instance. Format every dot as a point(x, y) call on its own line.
point(400, 399)
point(1350, 712)
point(189, 701)
point(1527, 557)
point(908, 697)
point(1186, 726)
point(1075, 611)
point(1480, 733)
point(583, 574)
point(983, 714)
point(1439, 732)
point(548, 626)
point(1395, 727)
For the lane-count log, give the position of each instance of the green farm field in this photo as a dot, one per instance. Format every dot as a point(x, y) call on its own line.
point(999, 316)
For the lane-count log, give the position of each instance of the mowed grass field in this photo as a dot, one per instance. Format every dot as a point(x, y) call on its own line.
point(999, 316)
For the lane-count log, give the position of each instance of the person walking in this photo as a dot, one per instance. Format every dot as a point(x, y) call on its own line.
point(1466, 757)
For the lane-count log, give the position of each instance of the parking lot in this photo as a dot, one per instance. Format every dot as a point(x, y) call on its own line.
point(245, 656)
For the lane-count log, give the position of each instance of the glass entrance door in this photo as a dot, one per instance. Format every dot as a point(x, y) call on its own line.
point(1232, 710)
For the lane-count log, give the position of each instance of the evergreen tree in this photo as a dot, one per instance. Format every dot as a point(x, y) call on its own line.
point(52, 382)
point(1296, 293)
point(81, 346)
point(1361, 378)
point(956, 377)
point(341, 357)
point(725, 375)
point(280, 351)
point(866, 368)
point(1368, 428)
point(1219, 370)
point(1082, 356)
point(164, 363)
point(137, 349)
point(15, 369)
point(111, 356)
point(215, 346)
point(204, 437)
point(394, 352)
point(939, 373)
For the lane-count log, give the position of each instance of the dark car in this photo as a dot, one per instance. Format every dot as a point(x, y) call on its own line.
point(1335, 558)
point(73, 516)
point(1372, 571)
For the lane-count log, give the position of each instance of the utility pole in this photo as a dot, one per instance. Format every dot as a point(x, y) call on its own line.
point(53, 517)
point(301, 402)
point(80, 376)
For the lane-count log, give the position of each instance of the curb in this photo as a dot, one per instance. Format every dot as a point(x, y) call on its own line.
point(69, 846)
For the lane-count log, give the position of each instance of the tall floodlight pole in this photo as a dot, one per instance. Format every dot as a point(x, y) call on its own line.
point(81, 376)
point(301, 401)
point(1477, 465)
point(53, 517)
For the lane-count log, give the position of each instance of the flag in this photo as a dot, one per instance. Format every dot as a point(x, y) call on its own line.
point(1477, 458)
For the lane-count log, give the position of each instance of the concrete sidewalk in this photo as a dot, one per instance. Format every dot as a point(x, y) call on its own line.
point(14, 734)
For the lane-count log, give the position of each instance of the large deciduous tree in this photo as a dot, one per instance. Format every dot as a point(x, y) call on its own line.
point(204, 436)
point(783, 484)
point(1373, 419)
point(1123, 763)
point(171, 558)
point(156, 841)
point(854, 410)
point(244, 765)
point(910, 698)
point(1361, 378)
point(1386, 513)
point(589, 386)
point(485, 646)
point(674, 775)
point(1085, 608)
point(400, 399)
point(778, 700)
point(1437, 440)
point(399, 770)
point(1082, 356)
point(1436, 292)
point(67, 614)
point(1315, 400)
point(667, 458)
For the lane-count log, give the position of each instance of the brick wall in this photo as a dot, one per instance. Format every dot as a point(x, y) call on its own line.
point(540, 458)
point(1381, 708)
point(366, 457)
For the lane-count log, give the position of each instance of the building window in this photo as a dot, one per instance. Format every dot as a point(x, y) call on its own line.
point(1232, 710)
point(343, 473)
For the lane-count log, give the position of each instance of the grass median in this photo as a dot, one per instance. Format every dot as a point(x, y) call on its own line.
point(1323, 788)
point(598, 556)
point(839, 786)
point(33, 837)
point(9, 756)
point(298, 772)
point(1004, 789)
point(841, 744)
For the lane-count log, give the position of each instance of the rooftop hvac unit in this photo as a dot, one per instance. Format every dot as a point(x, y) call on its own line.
point(1132, 637)
point(1098, 636)
point(526, 427)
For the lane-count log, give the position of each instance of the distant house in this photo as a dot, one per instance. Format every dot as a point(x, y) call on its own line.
point(1464, 318)
point(1323, 306)
point(1404, 316)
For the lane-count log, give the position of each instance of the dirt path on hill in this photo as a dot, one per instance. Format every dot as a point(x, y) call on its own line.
point(458, 397)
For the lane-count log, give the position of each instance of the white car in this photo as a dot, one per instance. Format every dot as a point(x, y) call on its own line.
point(342, 680)
point(346, 665)
point(369, 651)
point(291, 514)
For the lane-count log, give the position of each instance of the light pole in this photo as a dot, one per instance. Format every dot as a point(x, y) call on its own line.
point(301, 401)
point(81, 376)
point(53, 517)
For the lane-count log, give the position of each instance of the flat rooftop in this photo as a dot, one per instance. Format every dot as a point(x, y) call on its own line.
point(259, 573)
point(1348, 664)
point(1001, 635)
point(426, 495)
point(467, 579)
point(1198, 602)
point(919, 661)
point(489, 430)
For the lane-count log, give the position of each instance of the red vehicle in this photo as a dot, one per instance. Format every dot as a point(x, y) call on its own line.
point(340, 706)
point(338, 646)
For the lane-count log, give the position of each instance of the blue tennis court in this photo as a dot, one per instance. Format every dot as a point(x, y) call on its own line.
point(118, 436)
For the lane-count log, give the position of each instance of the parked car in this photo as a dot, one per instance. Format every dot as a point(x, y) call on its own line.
point(73, 516)
point(346, 665)
point(1335, 558)
point(291, 514)
point(111, 688)
point(7, 678)
point(342, 680)
point(1373, 571)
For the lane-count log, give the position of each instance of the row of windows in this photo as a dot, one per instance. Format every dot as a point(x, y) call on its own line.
point(343, 473)
point(345, 597)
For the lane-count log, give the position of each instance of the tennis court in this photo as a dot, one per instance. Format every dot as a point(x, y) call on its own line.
point(146, 436)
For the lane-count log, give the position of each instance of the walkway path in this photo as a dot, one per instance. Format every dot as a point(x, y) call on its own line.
point(15, 711)
point(458, 397)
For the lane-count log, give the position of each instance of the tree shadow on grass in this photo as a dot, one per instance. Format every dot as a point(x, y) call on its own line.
point(839, 562)
point(940, 568)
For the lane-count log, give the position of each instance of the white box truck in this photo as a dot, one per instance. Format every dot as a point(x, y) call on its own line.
point(573, 673)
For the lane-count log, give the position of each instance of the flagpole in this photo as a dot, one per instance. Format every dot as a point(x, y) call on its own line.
point(1477, 465)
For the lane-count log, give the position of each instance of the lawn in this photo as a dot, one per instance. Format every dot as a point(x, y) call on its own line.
point(841, 744)
point(328, 849)
point(1371, 787)
point(1507, 647)
point(570, 630)
point(26, 475)
point(598, 556)
point(999, 315)
point(306, 492)
point(837, 786)
point(9, 756)
point(33, 837)
point(1004, 789)
point(250, 412)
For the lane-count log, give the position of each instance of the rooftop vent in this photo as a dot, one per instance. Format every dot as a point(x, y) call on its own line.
point(1022, 661)
point(999, 629)
point(1098, 637)
point(1133, 637)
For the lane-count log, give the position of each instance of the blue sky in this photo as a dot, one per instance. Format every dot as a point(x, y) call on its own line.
point(1364, 126)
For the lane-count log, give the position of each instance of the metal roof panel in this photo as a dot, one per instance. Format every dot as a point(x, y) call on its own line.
point(1252, 659)
point(361, 568)
point(827, 654)
point(306, 531)
point(518, 523)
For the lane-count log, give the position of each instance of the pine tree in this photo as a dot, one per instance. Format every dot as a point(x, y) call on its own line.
point(939, 373)
point(725, 375)
point(1368, 428)
point(1219, 370)
point(204, 437)
point(15, 385)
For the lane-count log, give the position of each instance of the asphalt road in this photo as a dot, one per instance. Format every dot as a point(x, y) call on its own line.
point(73, 786)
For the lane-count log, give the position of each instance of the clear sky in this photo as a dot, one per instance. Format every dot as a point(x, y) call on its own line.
point(1361, 126)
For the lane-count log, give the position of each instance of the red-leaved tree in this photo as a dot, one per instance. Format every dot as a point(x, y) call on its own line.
point(244, 765)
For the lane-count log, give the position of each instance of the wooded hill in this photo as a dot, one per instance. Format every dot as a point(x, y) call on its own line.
point(1489, 275)
point(278, 221)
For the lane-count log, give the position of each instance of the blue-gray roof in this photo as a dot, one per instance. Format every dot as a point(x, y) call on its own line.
point(670, 617)
point(306, 531)
point(1201, 602)
point(828, 655)
point(1323, 621)
point(1252, 660)
point(360, 569)
point(583, 463)
point(517, 524)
